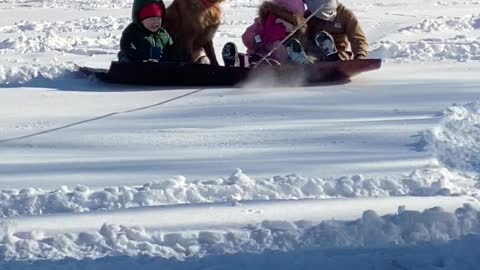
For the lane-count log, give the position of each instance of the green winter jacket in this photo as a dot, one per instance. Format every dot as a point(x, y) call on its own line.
point(138, 44)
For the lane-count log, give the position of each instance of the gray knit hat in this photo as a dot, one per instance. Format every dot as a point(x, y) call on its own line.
point(328, 8)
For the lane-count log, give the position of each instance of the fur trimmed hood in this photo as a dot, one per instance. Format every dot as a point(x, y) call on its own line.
point(281, 12)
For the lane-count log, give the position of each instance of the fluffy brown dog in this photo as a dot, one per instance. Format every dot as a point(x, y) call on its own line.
point(192, 25)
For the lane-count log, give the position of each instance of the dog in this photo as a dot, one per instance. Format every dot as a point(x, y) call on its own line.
point(192, 25)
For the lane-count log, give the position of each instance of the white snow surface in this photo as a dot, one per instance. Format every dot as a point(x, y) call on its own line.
point(238, 187)
point(440, 39)
point(455, 141)
point(406, 228)
point(379, 173)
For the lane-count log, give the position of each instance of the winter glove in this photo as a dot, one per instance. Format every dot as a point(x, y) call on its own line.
point(288, 26)
point(156, 53)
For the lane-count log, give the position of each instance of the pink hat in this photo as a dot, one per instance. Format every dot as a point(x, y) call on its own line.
point(295, 6)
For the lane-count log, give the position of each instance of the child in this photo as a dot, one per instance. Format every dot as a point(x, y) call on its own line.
point(145, 39)
point(277, 18)
point(335, 32)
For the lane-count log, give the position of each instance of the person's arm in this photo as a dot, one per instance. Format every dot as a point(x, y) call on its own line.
point(128, 51)
point(251, 38)
point(355, 35)
point(170, 52)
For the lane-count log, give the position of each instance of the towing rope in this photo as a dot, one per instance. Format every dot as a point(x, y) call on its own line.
point(100, 117)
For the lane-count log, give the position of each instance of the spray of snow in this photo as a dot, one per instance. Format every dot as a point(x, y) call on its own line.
point(267, 79)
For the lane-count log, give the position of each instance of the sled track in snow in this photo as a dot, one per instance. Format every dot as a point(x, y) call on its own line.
point(100, 117)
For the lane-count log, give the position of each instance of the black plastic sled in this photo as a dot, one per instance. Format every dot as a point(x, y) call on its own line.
point(187, 74)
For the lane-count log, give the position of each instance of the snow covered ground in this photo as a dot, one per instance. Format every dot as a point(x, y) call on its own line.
point(379, 173)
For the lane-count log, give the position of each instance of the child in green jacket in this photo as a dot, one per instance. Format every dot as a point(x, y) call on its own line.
point(145, 39)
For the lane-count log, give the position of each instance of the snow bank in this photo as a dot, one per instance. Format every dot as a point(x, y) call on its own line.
point(47, 42)
point(239, 186)
point(81, 4)
point(459, 254)
point(469, 22)
point(443, 38)
point(90, 24)
point(102, 44)
point(11, 75)
point(406, 228)
point(65, 37)
point(454, 141)
point(459, 49)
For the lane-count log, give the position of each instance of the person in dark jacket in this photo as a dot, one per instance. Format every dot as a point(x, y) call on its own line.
point(145, 39)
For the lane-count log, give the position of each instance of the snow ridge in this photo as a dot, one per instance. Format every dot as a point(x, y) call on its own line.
point(12, 75)
point(405, 228)
point(469, 22)
point(239, 186)
point(103, 44)
point(455, 141)
point(80, 4)
point(34, 37)
point(64, 40)
point(441, 39)
point(90, 24)
point(459, 49)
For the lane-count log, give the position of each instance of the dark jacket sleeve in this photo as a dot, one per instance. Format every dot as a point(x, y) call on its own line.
point(170, 52)
point(128, 51)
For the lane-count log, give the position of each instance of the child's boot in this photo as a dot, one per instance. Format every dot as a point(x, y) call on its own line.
point(230, 55)
point(326, 43)
point(296, 53)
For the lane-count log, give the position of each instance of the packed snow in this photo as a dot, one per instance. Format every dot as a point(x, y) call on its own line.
point(442, 38)
point(442, 23)
point(406, 228)
point(379, 173)
point(98, 37)
point(238, 187)
point(455, 141)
